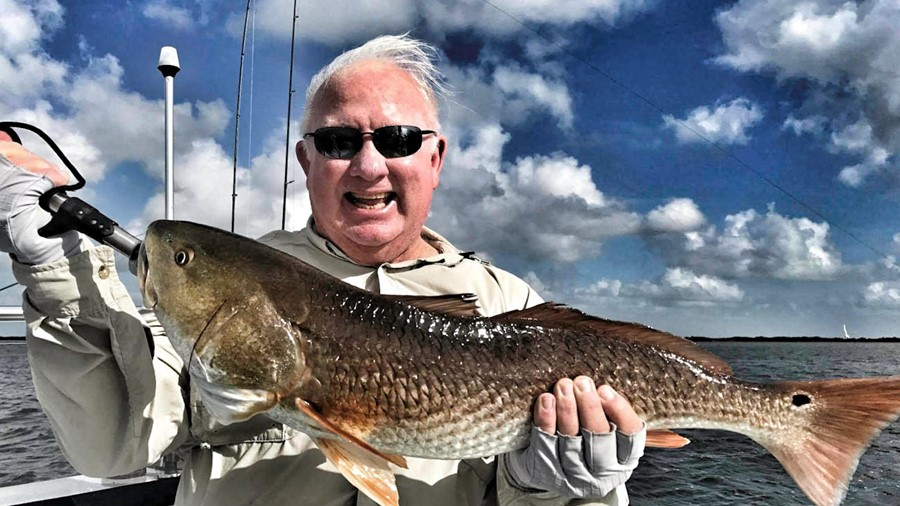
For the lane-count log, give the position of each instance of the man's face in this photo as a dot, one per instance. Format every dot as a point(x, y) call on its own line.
point(370, 206)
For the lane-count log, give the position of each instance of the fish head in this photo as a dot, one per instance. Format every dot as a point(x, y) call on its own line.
point(183, 277)
point(220, 298)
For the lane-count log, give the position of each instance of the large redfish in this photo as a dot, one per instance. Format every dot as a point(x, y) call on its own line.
point(372, 377)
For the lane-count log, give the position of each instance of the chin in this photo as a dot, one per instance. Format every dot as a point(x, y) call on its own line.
point(373, 236)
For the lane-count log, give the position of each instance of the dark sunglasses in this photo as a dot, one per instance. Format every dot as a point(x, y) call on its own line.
point(391, 141)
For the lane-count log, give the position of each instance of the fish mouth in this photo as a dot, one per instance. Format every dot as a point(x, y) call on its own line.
point(145, 282)
point(370, 200)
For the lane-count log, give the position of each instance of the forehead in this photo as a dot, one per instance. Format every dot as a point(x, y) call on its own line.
point(371, 94)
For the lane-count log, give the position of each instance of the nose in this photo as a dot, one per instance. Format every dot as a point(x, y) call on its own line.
point(368, 164)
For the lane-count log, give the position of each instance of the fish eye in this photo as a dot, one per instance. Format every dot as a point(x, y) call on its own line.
point(183, 257)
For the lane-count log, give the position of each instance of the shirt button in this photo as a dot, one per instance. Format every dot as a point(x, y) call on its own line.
point(103, 272)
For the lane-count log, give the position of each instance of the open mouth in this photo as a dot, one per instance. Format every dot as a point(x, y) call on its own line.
point(370, 200)
point(145, 282)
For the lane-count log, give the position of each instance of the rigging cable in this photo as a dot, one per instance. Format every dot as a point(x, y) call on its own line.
point(246, 213)
point(237, 117)
point(724, 151)
point(287, 138)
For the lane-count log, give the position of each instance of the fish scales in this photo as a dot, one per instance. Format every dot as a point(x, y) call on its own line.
point(412, 397)
point(368, 376)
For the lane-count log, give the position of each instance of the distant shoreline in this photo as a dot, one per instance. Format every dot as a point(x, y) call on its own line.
point(797, 339)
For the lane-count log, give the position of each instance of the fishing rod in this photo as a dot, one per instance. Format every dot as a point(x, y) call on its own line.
point(72, 213)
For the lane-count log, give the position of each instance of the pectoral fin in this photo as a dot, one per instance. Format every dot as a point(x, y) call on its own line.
point(327, 426)
point(367, 471)
point(365, 467)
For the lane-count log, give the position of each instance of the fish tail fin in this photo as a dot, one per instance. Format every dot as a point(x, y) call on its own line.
point(842, 417)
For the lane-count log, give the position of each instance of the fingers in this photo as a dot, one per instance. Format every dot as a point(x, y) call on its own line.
point(578, 404)
point(566, 409)
point(21, 157)
point(545, 413)
point(590, 407)
point(619, 411)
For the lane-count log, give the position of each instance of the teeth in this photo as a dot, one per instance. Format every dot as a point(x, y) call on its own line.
point(371, 200)
point(369, 196)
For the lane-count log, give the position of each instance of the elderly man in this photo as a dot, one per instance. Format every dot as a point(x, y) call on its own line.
point(118, 397)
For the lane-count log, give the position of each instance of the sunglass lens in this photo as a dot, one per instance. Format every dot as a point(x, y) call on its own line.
point(397, 141)
point(338, 142)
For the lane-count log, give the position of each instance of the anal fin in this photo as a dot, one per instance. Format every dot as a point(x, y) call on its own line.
point(662, 438)
point(367, 471)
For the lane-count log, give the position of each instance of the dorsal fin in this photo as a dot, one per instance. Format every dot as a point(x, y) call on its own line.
point(460, 304)
point(551, 313)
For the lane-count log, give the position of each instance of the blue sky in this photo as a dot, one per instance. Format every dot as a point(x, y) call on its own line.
point(707, 167)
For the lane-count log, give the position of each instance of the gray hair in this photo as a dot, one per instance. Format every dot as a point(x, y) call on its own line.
point(414, 56)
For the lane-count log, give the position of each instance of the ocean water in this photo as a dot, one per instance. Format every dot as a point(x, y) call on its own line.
point(28, 451)
point(724, 468)
point(717, 468)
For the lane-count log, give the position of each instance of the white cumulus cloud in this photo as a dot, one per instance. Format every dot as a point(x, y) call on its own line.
point(751, 244)
point(317, 20)
point(883, 294)
point(683, 286)
point(727, 123)
point(259, 190)
point(520, 87)
point(678, 215)
point(172, 16)
point(485, 204)
point(336, 22)
point(847, 54)
point(509, 94)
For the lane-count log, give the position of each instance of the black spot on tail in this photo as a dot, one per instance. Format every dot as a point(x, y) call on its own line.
point(800, 400)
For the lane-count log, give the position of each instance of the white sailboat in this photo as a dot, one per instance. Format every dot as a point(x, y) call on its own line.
point(846, 334)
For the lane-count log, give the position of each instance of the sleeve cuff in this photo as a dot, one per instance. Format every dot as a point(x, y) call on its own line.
point(83, 284)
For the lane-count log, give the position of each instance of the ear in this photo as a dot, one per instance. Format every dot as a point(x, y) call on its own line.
point(302, 156)
point(437, 159)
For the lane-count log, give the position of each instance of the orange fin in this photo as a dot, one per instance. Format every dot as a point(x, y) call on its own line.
point(843, 417)
point(327, 426)
point(551, 313)
point(462, 304)
point(367, 471)
point(662, 438)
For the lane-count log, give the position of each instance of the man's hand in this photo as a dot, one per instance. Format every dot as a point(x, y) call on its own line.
point(578, 404)
point(586, 441)
point(21, 157)
point(24, 177)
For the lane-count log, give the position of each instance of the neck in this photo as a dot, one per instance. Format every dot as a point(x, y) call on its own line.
point(386, 253)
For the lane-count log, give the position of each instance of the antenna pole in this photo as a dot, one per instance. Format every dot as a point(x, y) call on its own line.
point(168, 67)
point(287, 137)
point(237, 117)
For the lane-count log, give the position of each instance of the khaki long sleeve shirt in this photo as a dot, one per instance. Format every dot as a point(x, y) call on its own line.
point(118, 397)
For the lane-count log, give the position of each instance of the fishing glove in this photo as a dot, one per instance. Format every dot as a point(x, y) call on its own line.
point(21, 217)
point(587, 465)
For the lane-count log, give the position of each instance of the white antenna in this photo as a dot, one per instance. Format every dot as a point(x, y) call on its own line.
point(168, 67)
